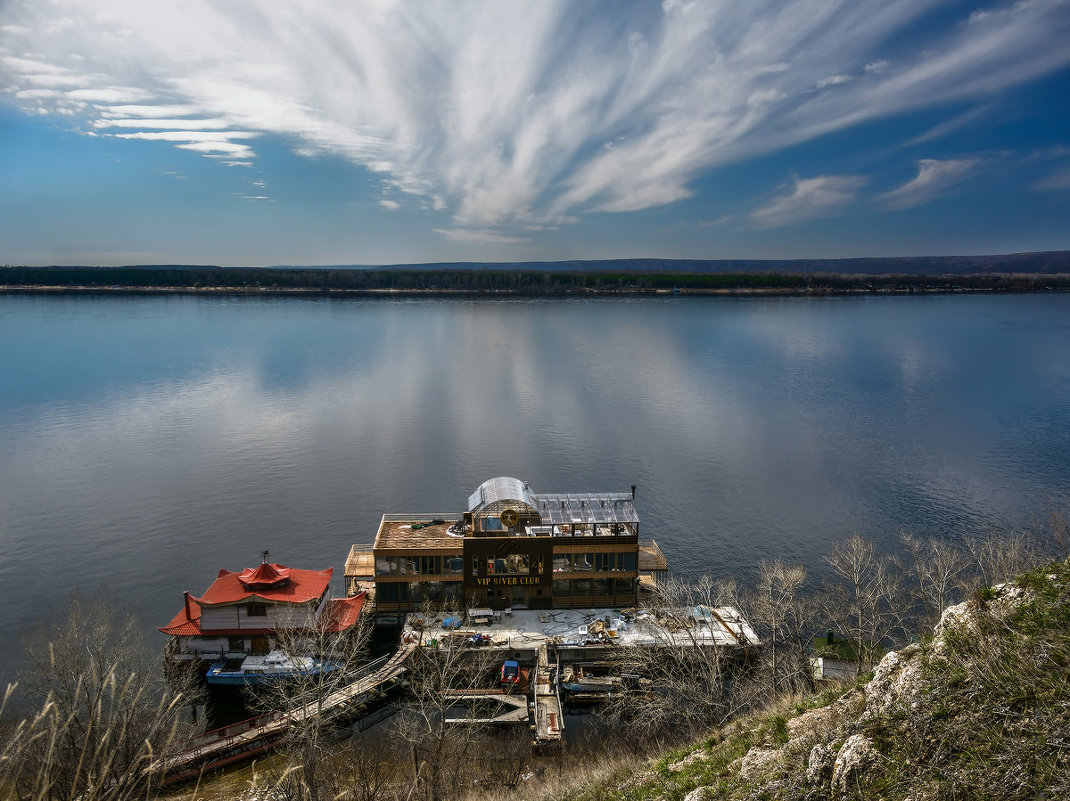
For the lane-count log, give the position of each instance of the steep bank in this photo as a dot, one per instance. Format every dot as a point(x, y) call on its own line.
point(979, 710)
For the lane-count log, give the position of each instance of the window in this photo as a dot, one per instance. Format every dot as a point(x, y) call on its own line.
point(236, 644)
point(256, 610)
point(509, 564)
point(624, 586)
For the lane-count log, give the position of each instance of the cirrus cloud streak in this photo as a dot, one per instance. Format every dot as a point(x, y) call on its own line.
point(520, 115)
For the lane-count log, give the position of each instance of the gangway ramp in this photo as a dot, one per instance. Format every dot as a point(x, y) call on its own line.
point(549, 722)
point(240, 741)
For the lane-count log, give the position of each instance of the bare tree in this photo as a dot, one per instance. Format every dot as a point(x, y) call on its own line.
point(107, 718)
point(442, 680)
point(937, 569)
point(999, 557)
point(865, 602)
point(1058, 528)
point(784, 617)
point(684, 679)
point(306, 699)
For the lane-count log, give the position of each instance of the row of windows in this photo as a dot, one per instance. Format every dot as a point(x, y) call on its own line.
point(419, 565)
point(453, 590)
point(514, 564)
point(494, 524)
point(593, 562)
point(435, 591)
point(509, 565)
point(574, 587)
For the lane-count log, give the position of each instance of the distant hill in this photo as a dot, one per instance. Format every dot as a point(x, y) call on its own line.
point(1018, 272)
point(1047, 262)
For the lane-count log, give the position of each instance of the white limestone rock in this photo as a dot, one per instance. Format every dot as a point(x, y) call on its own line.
point(760, 763)
point(855, 755)
point(700, 794)
point(896, 679)
point(815, 724)
point(819, 765)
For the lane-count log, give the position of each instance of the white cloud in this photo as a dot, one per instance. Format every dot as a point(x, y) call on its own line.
point(1058, 181)
point(949, 126)
point(188, 125)
point(807, 199)
point(933, 179)
point(833, 80)
point(156, 112)
point(393, 205)
point(479, 237)
point(499, 112)
point(111, 94)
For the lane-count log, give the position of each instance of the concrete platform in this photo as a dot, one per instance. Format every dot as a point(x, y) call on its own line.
point(525, 630)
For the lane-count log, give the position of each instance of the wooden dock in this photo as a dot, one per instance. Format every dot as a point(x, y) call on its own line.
point(549, 722)
point(515, 707)
point(241, 741)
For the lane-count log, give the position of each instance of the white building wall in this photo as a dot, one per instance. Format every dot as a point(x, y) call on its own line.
point(278, 616)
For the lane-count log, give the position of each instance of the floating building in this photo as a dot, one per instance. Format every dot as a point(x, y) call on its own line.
point(243, 612)
point(511, 548)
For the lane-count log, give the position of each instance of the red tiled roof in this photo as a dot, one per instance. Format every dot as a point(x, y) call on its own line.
point(264, 576)
point(187, 623)
point(302, 586)
point(342, 613)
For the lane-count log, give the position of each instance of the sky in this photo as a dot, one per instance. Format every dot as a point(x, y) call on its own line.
point(265, 132)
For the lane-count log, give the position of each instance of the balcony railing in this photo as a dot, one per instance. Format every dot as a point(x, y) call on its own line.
point(651, 558)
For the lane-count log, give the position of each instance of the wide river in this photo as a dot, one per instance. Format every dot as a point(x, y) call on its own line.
point(146, 442)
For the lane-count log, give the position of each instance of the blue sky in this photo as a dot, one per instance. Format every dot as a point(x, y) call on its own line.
point(260, 132)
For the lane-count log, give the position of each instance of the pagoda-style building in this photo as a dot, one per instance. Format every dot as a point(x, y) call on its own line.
point(243, 612)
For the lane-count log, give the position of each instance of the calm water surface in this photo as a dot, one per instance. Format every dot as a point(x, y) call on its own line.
point(147, 442)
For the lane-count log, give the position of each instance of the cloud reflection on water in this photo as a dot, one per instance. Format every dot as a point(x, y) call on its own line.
point(754, 429)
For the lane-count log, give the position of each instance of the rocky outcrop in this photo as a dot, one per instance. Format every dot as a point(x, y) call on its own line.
point(983, 707)
point(855, 755)
point(828, 748)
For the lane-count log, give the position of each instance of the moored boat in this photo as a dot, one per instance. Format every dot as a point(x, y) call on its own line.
point(271, 667)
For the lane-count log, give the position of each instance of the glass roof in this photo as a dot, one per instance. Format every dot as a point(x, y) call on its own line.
point(502, 488)
point(586, 507)
point(561, 509)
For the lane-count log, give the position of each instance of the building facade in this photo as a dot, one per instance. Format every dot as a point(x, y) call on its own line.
point(511, 548)
point(243, 612)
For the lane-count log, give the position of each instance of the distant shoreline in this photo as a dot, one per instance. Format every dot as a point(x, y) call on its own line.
point(825, 286)
point(1023, 272)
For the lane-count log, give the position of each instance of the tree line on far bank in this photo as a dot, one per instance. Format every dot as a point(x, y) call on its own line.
point(488, 281)
point(104, 720)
